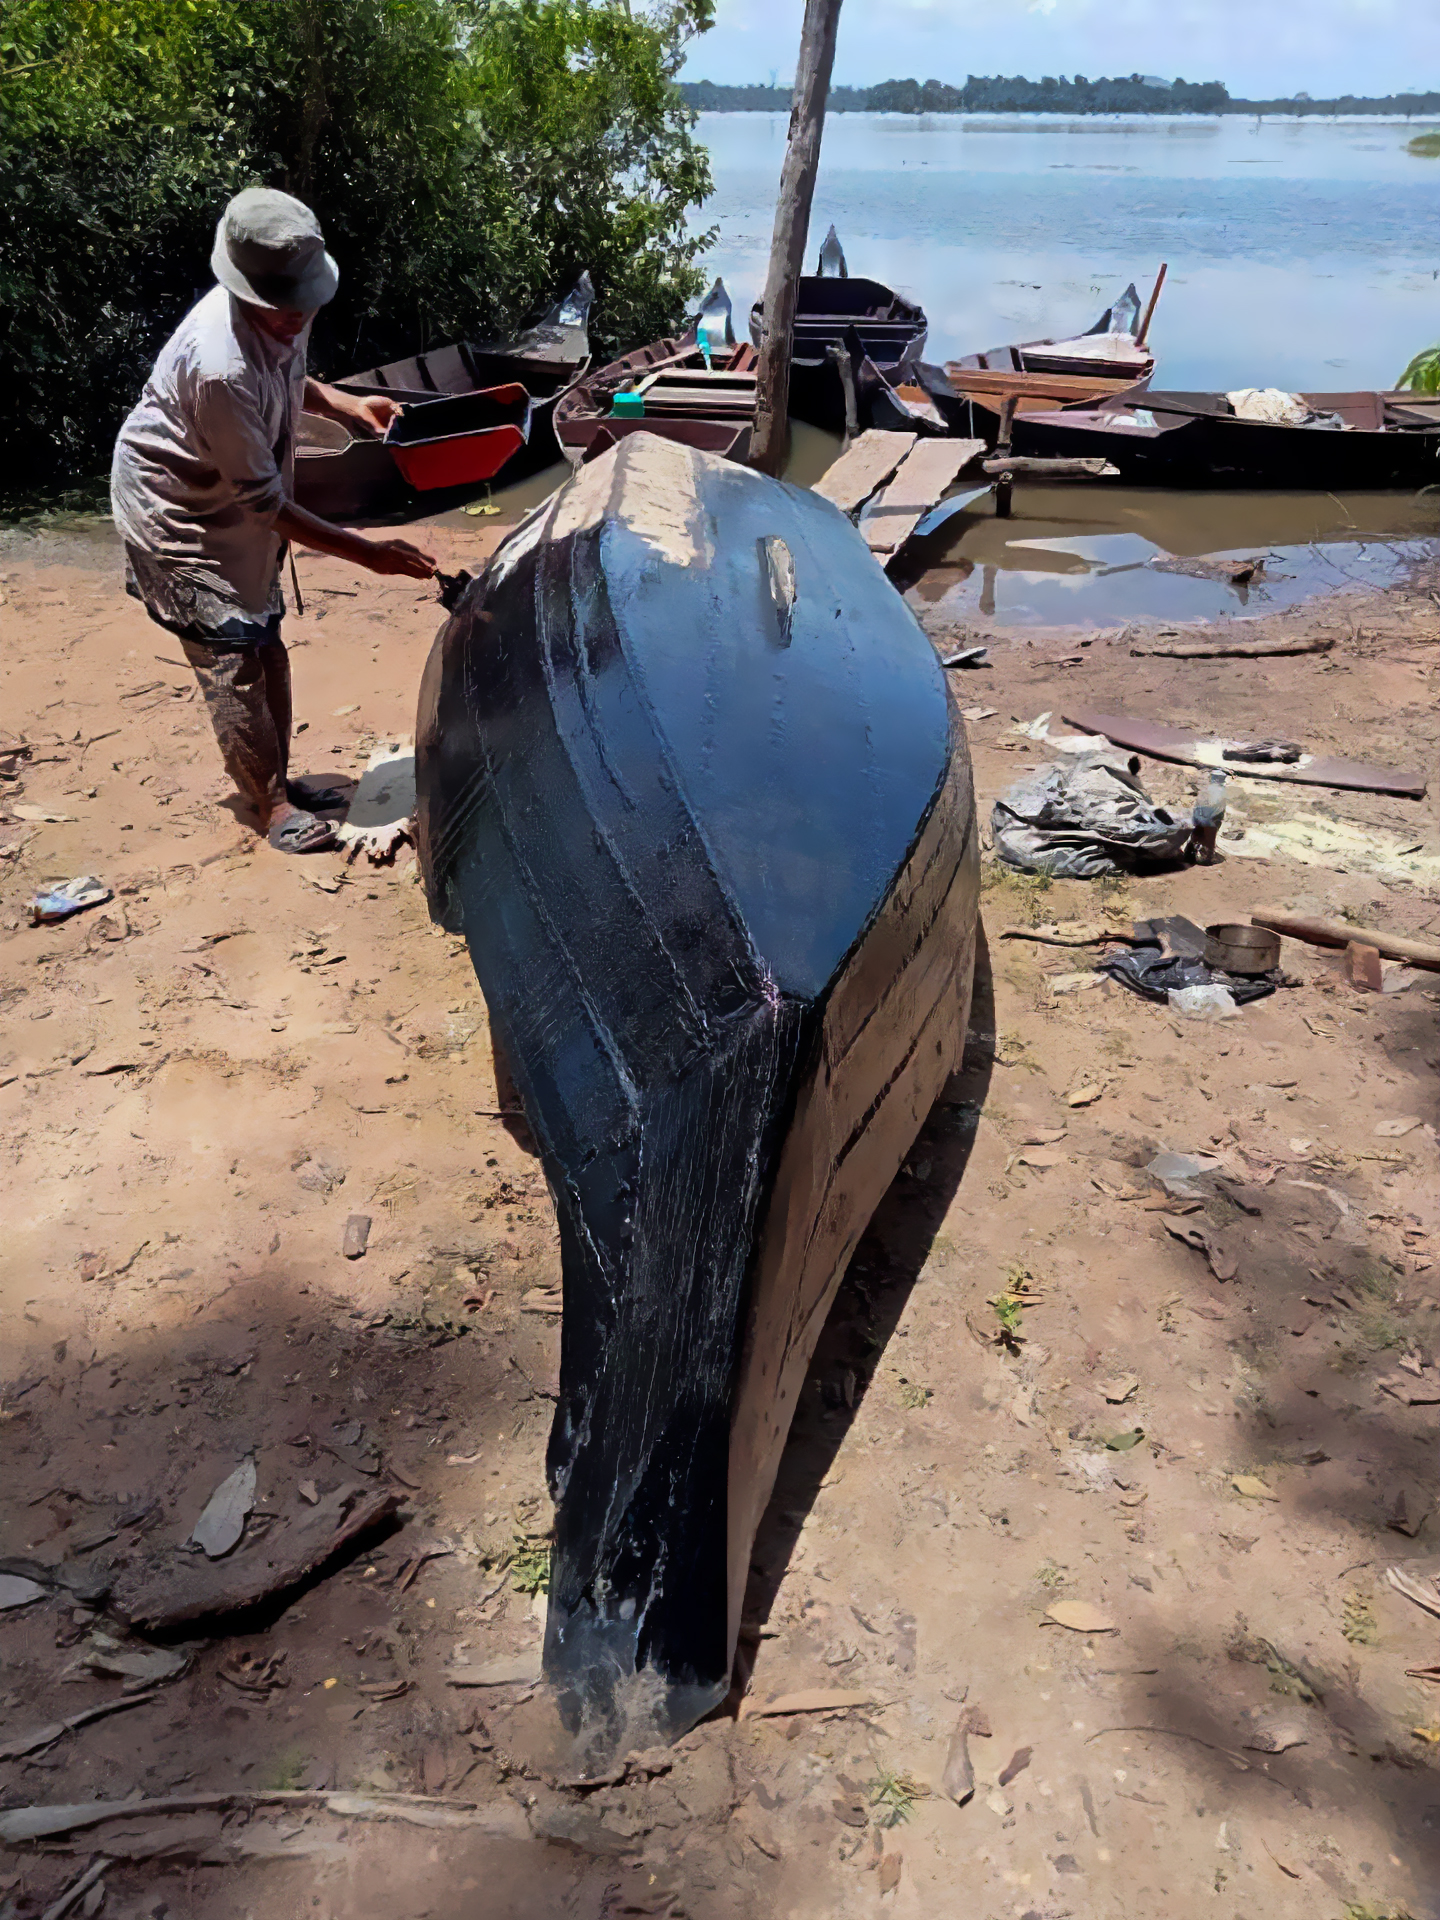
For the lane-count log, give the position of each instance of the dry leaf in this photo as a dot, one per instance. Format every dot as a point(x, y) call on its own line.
point(1412, 1590)
point(957, 1782)
point(1080, 1617)
point(226, 1511)
point(1119, 1391)
point(1252, 1488)
point(1397, 1129)
point(1083, 1096)
point(1043, 1136)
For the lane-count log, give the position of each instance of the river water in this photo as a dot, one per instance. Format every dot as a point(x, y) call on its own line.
point(1302, 254)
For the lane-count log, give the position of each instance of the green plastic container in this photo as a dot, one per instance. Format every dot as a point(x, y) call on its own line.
point(627, 406)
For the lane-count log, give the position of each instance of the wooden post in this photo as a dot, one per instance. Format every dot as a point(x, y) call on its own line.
point(1005, 482)
point(1143, 335)
point(792, 227)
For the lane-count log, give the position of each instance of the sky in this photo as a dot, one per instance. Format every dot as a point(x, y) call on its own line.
point(1261, 49)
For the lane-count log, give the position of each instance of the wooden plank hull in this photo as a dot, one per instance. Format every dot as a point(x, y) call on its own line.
point(718, 872)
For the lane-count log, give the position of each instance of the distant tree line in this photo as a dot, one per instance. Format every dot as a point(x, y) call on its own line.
point(1136, 93)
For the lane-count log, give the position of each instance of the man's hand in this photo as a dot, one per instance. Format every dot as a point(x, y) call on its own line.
point(375, 412)
point(400, 556)
point(372, 413)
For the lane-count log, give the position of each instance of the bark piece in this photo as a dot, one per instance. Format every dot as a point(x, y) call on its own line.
point(808, 1700)
point(159, 1597)
point(1080, 1617)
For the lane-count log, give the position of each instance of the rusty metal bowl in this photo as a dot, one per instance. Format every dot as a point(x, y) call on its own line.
point(1236, 948)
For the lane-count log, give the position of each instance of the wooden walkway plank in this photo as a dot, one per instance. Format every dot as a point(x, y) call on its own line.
point(867, 463)
point(918, 485)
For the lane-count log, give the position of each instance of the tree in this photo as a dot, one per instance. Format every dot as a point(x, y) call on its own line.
point(466, 157)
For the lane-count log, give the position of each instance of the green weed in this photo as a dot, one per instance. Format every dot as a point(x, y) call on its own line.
point(530, 1564)
point(912, 1396)
point(1425, 146)
point(1051, 1575)
point(288, 1772)
point(896, 1793)
point(1360, 1627)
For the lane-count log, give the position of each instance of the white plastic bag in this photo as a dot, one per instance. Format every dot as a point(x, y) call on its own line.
point(1202, 1003)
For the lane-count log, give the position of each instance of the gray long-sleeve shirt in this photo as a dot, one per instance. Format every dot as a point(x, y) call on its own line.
point(202, 465)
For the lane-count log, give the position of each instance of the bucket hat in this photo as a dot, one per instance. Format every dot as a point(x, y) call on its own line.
point(270, 251)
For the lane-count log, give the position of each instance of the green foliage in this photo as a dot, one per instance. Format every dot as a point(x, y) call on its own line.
point(1423, 373)
point(467, 159)
point(1425, 146)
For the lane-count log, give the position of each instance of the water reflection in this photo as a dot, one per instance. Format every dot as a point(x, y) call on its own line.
point(1099, 556)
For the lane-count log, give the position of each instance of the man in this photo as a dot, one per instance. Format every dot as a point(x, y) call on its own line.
point(202, 490)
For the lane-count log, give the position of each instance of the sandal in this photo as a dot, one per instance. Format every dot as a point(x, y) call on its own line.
point(302, 833)
point(301, 795)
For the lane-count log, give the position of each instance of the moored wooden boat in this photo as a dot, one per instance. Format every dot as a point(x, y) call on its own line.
point(1104, 363)
point(1353, 441)
point(697, 387)
point(692, 786)
point(349, 476)
point(834, 309)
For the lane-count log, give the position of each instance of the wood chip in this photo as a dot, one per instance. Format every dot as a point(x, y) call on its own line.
point(1252, 1487)
point(519, 1669)
point(356, 1237)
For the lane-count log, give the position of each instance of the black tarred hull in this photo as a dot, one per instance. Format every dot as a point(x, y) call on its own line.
point(718, 872)
point(1193, 451)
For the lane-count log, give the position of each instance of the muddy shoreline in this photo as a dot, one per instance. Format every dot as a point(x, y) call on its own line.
point(202, 1080)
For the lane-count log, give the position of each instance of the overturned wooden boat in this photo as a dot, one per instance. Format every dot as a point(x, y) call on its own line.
point(693, 788)
point(459, 412)
point(835, 310)
point(1332, 442)
point(697, 387)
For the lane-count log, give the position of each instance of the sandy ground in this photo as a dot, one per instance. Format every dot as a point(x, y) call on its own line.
point(202, 1080)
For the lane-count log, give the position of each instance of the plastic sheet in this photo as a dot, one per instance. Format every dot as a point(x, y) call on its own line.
point(1157, 975)
point(1085, 818)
